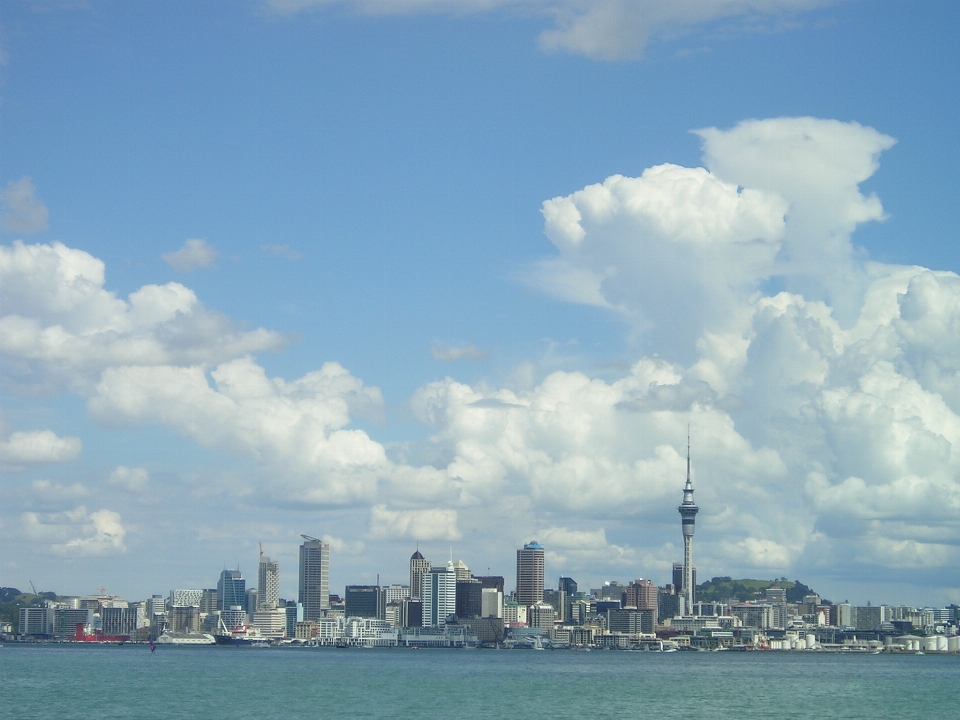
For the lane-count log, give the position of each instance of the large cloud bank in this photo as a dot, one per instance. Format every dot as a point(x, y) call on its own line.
point(825, 414)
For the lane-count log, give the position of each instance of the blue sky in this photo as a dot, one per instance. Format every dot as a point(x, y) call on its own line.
point(368, 187)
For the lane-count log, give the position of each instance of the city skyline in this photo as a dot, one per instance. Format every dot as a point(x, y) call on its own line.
point(464, 280)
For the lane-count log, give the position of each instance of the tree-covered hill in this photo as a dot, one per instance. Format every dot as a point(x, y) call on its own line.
point(721, 589)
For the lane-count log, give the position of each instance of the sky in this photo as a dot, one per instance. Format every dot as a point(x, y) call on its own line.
point(460, 275)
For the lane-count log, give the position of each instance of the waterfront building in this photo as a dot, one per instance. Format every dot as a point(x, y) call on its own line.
point(362, 601)
point(439, 593)
point(688, 514)
point(419, 566)
point(66, 619)
point(530, 574)
point(231, 590)
point(121, 621)
point(314, 592)
point(469, 598)
point(631, 621)
point(752, 615)
point(271, 623)
point(268, 583)
point(35, 621)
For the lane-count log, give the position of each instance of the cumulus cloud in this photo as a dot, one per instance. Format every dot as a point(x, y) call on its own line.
point(37, 447)
point(846, 382)
point(135, 480)
point(431, 524)
point(23, 212)
point(464, 352)
point(599, 29)
point(825, 415)
point(56, 492)
point(76, 533)
point(194, 254)
point(583, 549)
point(60, 326)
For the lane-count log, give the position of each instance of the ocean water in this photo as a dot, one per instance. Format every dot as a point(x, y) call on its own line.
point(219, 682)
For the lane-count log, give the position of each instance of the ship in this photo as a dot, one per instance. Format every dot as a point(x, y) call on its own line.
point(185, 638)
point(240, 635)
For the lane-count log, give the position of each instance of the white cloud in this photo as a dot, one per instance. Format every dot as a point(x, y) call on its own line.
point(135, 480)
point(600, 29)
point(194, 254)
point(431, 524)
point(24, 212)
point(37, 447)
point(60, 326)
point(55, 492)
point(464, 352)
point(75, 533)
point(284, 251)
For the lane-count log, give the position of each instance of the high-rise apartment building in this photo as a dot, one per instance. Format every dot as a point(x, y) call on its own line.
point(231, 590)
point(314, 592)
point(439, 593)
point(530, 574)
point(419, 566)
point(268, 584)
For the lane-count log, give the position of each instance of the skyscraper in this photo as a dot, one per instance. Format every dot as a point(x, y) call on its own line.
point(268, 583)
point(418, 566)
point(688, 514)
point(231, 590)
point(439, 595)
point(314, 577)
point(530, 573)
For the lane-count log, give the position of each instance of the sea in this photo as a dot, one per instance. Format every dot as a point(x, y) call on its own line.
point(129, 681)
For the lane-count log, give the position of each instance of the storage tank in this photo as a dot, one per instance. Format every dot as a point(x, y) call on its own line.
point(953, 643)
point(941, 643)
point(811, 641)
point(929, 644)
point(915, 645)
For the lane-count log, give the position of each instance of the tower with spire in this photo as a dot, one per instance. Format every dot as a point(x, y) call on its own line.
point(688, 515)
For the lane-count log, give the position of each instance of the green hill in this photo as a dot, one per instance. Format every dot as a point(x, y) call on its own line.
point(721, 589)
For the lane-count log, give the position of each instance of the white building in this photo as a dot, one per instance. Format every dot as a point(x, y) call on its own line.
point(439, 593)
point(271, 623)
point(491, 603)
point(268, 584)
point(185, 598)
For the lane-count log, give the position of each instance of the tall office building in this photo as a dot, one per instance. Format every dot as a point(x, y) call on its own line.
point(469, 598)
point(362, 601)
point(530, 574)
point(268, 583)
point(568, 585)
point(688, 514)
point(642, 594)
point(419, 566)
point(314, 592)
point(231, 590)
point(439, 593)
